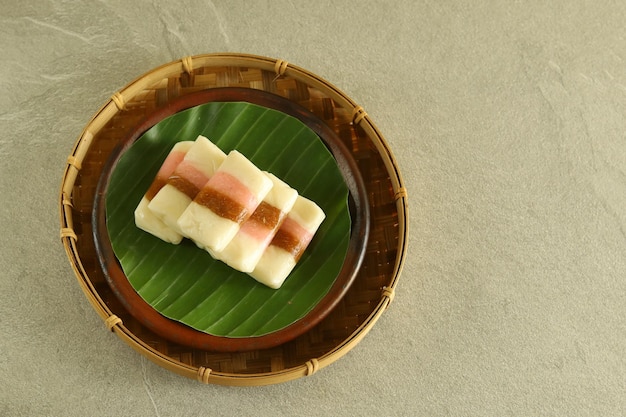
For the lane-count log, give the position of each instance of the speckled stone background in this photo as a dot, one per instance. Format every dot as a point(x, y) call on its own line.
point(507, 119)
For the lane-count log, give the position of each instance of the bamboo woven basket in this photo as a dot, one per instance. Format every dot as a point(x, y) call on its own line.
point(368, 297)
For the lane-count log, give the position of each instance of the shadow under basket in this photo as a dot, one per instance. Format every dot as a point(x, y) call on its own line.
point(371, 291)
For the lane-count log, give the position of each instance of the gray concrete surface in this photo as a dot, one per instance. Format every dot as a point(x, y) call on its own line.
point(507, 121)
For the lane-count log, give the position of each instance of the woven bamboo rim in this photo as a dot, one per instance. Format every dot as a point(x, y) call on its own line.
point(374, 287)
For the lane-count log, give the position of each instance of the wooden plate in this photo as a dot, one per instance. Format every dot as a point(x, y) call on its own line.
point(179, 332)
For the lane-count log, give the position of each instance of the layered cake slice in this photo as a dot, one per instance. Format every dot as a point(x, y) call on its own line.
point(247, 246)
point(145, 219)
point(287, 246)
point(225, 202)
point(192, 173)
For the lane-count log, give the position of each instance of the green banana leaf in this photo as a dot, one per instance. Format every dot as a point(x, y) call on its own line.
point(183, 282)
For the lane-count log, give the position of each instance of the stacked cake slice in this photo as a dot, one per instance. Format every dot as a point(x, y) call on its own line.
point(245, 217)
point(199, 164)
point(145, 218)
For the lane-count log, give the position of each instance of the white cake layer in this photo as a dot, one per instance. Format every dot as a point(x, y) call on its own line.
point(206, 228)
point(183, 146)
point(307, 214)
point(168, 204)
point(205, 156)
point(274, 267)
point(242, 253)
point(281, 196)
point(247, 173)
point(147, 221)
